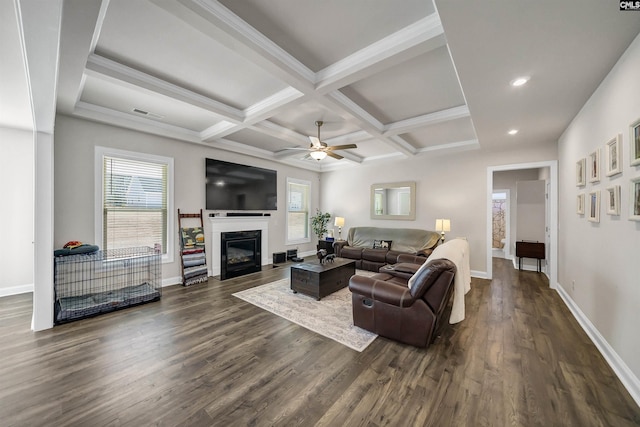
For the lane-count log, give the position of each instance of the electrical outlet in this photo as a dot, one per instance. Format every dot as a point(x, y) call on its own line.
point(573, 285)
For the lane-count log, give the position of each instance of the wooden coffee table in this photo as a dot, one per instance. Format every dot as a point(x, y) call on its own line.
point(319, 280)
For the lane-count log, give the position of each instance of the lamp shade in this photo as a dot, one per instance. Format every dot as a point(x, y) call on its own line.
point(443, 225)
point(339, 221)
point(318, 155)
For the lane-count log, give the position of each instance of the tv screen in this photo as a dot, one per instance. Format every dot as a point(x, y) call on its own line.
point(231, 186)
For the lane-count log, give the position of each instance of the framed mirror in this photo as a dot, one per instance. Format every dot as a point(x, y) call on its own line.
point(393, 200)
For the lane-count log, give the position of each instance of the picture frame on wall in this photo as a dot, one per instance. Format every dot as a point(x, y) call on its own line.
point(594, 206)
point(634, 202)
point(594, 166)
point(634, 143)
point(613, 200)
point(580, 204)
point(613, 155)
point(581, 173)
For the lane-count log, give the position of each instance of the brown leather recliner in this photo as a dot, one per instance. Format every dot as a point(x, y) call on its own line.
point(385, 305)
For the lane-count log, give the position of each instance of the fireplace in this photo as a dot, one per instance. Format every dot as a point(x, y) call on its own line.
point(240, 253)
point(222, 224)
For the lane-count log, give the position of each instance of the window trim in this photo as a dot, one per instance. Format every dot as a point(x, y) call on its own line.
point(308, 238)
point(100, 153)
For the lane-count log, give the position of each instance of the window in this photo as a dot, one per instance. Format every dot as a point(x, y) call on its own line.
point(298, 206)
point(134, 200)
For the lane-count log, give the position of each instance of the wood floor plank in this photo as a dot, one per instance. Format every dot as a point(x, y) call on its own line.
point(200, 356)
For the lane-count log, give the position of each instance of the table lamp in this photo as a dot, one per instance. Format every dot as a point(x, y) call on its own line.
point(443, 225)
point(339, 222)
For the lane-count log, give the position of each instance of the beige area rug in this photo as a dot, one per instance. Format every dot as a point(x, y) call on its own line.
point(331, 316)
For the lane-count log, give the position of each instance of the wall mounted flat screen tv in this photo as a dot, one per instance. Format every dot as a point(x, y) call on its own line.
point(235, 187)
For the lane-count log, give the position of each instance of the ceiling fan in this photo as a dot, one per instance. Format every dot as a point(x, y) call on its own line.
point(319, 150)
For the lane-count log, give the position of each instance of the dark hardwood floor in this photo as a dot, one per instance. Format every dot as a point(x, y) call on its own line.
point(203, 357)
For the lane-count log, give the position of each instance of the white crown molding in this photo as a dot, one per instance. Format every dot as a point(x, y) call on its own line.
point(422, 36)
point(404, 126)
point(471, 144)
point(384, 158)
point(101, 67)
point(130, 121)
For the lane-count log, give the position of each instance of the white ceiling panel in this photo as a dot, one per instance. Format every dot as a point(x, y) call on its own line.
point(319, 33)
point(258, 140)
point(302, 118)
point(421, 85)
point(147, 38)
point(254, 76)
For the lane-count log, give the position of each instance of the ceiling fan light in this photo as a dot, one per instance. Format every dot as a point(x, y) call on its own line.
point(318, 155)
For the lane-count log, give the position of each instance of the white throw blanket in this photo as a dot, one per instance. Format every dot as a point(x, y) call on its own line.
point(456, 251)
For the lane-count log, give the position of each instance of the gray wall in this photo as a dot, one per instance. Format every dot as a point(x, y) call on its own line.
point(450, 186)
point(16, 214)
point(530, 210)
point(598, 262)
point(75, 141)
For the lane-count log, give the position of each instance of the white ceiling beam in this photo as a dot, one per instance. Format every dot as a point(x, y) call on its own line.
point(270, 106)
point(130, 121)
point(404, 126)
point(368, 123)
point(219, 130)
point(81, 25)
point(212, 18)
point(459, 145)
point(101, 67)
point(413, 40)
point(40, 28)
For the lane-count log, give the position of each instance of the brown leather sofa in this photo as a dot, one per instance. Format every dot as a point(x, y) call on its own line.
point(385, 305)
point(360, 243)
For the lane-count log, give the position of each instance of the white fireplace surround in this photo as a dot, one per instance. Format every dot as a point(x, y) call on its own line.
point(225, 224)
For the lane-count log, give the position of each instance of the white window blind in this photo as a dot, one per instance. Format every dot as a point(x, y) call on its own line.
point(298, 205)
point(134, 203)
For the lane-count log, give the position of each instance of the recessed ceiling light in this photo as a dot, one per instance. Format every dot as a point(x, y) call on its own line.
point(513, 131)
point(519, 81)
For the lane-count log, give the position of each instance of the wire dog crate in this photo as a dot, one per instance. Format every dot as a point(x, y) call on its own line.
point(103, 281)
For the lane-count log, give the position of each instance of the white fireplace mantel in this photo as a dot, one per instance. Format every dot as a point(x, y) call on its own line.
point(225, 224)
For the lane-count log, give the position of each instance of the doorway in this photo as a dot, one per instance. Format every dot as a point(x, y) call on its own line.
point(551, 221)
point(501, 220)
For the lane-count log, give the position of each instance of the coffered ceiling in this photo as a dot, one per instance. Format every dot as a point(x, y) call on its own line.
point(397, 78)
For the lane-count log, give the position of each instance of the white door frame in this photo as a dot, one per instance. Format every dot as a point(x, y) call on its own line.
point(553, 214)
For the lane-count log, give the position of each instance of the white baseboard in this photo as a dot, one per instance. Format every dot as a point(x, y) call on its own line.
point(15, 290)
point(479, 274)
point(170, 281)
point(626, 376)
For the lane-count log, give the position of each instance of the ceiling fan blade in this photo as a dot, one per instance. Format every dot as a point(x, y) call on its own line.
point(334, 155)
point(315, 142)
point(342, 147)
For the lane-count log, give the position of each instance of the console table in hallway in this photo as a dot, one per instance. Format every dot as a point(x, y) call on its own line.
point(526, 249)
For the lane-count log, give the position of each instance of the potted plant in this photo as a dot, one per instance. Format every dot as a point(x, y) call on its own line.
point(319, 223)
